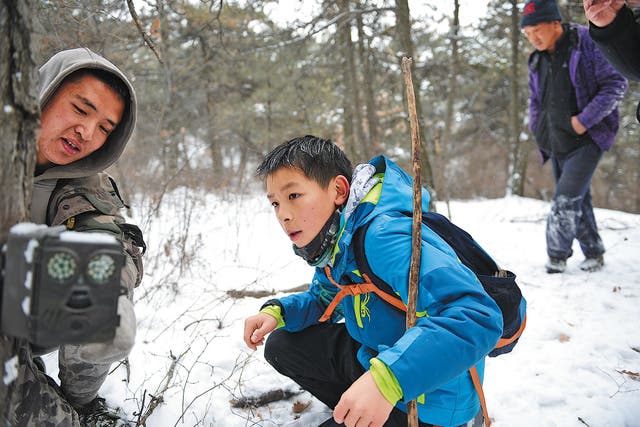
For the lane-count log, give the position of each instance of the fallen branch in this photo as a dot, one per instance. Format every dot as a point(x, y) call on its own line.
point(263, 399)
point(244, 293)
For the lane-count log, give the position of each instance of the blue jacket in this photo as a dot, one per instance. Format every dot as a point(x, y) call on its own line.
point(598, 86)
point(458, 323)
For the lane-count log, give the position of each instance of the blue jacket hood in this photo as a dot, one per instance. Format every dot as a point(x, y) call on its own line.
point(395, 196)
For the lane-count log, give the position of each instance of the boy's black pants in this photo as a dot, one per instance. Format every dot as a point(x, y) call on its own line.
point(322, 360)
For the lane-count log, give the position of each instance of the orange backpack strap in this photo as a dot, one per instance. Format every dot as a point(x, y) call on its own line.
point(478, 386)
point(358, 289)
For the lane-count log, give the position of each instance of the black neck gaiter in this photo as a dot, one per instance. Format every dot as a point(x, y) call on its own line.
point(317, 251)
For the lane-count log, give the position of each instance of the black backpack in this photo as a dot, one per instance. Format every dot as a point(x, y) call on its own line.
point(499, 284)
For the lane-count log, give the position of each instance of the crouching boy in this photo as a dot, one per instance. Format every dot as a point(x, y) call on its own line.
point(369, 367)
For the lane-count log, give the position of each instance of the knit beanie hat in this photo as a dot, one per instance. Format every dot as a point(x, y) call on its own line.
point(537, 11)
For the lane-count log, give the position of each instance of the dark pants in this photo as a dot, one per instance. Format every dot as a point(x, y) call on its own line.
point(571, 215)
point(322, 360)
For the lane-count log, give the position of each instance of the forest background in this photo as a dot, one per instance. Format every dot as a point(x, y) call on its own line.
point(226, 81)
point(221, 82)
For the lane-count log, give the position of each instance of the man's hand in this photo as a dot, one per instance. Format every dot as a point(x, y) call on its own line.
point(256, 328)
point(601, 13)
point(577, 126)
point(362, 404)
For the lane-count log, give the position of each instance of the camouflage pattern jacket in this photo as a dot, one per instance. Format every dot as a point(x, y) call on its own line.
point(94, 204)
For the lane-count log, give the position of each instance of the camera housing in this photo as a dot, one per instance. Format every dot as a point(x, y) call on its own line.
point(60, 287)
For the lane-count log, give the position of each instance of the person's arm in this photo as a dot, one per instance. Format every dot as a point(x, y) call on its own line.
point(616, 31)
point(92, 205)
point(304, 309)
point(611, 87)
point(534, 101)
point(421, 360)
point(293, 312)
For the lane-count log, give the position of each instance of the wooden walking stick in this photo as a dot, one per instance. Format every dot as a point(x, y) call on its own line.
point(416, 229)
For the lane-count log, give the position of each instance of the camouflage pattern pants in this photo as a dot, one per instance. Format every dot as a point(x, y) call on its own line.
point(28, 397)
point(84, 368)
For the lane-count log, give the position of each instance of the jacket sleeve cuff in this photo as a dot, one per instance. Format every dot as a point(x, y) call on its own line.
point(274, 311)
point(386, 381)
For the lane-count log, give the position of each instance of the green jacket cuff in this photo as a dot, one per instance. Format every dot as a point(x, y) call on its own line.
point(386, 381)
point(274, 311)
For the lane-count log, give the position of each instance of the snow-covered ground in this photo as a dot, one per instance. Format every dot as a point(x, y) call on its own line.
point(577, 363)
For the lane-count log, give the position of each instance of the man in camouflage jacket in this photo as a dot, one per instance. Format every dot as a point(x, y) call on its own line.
point(88, 115)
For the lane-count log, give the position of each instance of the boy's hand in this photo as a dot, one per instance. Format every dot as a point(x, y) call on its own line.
point(362, 404)
point(256, 327)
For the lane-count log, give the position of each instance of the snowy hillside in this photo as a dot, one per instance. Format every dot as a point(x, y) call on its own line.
point(576, 365)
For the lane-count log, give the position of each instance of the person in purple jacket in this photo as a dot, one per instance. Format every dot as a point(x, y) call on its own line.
point(573, 113)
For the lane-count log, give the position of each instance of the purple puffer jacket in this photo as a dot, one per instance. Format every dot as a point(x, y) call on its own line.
point(598, 86)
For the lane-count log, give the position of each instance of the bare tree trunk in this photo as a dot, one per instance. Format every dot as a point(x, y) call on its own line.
point(18, 89)
point(373, 136)
point(518, 152)
point(18, 128)
point(443, 182)
point(346, 45)
point(405, 46)
point(170, 149)
point(208, 58)
point(360, 142)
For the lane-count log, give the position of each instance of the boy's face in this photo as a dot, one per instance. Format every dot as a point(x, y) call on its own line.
point(301, 205)
point(77, 121)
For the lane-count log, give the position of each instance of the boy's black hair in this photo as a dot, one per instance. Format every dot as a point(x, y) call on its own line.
point(106, 77)
point(319, 159)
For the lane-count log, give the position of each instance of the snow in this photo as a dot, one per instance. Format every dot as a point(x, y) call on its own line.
point(87, 238)
point(575, 365)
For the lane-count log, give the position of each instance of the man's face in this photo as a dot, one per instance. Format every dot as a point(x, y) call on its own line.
point(543, 36)
point(77, 121)
point(301, 205)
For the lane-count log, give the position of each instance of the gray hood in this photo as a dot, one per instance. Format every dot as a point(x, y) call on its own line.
point(52, 73)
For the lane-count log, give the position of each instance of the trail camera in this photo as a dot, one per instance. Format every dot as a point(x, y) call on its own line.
point(60, 287)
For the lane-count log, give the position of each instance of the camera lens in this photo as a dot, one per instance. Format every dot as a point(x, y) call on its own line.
point(61, 266)
point(101, 268)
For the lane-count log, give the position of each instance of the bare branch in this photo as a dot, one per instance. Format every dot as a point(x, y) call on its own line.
point(263, 399)
point(145, 36)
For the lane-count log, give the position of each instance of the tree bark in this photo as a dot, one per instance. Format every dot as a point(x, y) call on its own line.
point(215, 151)
point(373, 136)
point(518, 152)
point(347, 65)
point(443, 182)
point(405, 46)
point(18, 128)
point(19, 124)
point(360, 142)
